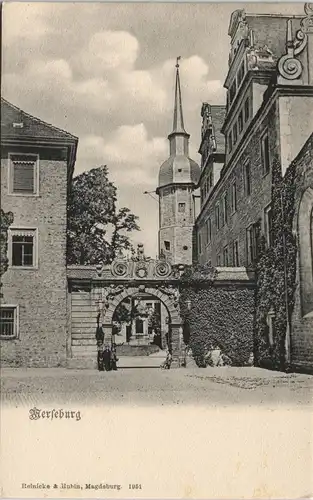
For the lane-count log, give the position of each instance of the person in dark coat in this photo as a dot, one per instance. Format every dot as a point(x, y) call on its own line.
point(114, 358)
point(107, 359)
point(99, 339)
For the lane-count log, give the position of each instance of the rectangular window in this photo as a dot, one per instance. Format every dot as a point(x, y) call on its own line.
point(247, 177)
point(241, 74)
point(23, 174)
point(240, 122)
point(233, 197)
point(247, 109)
point(208, 185)
point(230, 142)
point(268, 225)
point(8, 322)
point(218, 260)
point(225, 208)
point(235, 133)
point(252, 243)
point(225, 257)
point(265, 153)
point(235, 253)
point(211, 179)
point(209, 229)
point(22, 247)
point(199, 242)
point(232, 92)
point(217, 216)
point(181, 207)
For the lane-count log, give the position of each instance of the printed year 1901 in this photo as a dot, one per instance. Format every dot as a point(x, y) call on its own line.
point(134, 487)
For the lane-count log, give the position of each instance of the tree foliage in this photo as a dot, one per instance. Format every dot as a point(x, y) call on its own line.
point(97, 230)
point(6, 219)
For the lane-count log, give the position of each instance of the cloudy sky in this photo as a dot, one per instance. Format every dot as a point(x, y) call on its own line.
point(105, 72)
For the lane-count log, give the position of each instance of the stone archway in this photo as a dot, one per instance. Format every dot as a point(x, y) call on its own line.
point(168, 295)
point(305, 232)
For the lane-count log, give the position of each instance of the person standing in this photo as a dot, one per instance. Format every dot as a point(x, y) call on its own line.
point(100, 340)
point(114, 358)
point(107, 359)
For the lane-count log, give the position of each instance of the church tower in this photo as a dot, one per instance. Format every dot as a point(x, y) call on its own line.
point(178, 177)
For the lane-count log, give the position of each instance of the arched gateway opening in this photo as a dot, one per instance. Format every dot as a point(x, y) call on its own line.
point(97, 293)
point(142, 299)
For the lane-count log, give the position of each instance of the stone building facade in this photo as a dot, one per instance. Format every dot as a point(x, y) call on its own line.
point(37, 162)
point(268, 122)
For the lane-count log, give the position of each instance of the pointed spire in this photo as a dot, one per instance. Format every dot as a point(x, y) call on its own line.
point(178, 121)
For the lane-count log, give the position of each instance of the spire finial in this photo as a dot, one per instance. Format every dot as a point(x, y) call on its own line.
point(178, 122)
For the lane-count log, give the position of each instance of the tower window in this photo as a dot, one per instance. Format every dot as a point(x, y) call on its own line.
point(167, 245)
point(181, 207)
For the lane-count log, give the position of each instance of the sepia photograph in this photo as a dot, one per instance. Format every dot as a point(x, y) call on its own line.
point(156, 319)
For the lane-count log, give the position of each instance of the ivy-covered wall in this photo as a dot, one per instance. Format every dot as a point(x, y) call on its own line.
point(276, 275)
point(217, 315)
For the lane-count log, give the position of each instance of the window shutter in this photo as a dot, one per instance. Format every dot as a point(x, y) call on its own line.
point(23, 176)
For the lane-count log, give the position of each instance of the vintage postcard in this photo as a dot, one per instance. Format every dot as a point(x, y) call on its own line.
point(156, 320)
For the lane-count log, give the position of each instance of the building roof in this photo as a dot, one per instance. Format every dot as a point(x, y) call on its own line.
point(12, 116)
point(19, 126)
point(178, 168)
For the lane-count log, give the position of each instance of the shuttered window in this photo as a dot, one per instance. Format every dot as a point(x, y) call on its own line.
point(24, 174)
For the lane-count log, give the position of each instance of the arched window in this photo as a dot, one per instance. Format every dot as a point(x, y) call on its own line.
point(305, 231)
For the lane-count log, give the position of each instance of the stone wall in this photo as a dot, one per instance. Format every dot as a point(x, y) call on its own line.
point(302, 318)
point(40, 293)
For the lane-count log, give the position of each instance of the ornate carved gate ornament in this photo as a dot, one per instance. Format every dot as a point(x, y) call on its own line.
point(127, 277)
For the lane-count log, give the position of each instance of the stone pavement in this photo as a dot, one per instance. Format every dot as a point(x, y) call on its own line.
point(223, 386)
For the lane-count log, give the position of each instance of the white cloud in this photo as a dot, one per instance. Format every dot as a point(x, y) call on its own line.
point(28, 20)
point(130, 155)
point(108, 50)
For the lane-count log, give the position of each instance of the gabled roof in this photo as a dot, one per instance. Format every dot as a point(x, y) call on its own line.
point(32, 127)
point(19, 127)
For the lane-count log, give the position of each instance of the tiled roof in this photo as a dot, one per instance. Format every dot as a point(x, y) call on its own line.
point(87, 273)
point(32, 127)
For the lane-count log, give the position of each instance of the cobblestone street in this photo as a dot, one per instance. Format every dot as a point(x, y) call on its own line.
point(151, 386)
